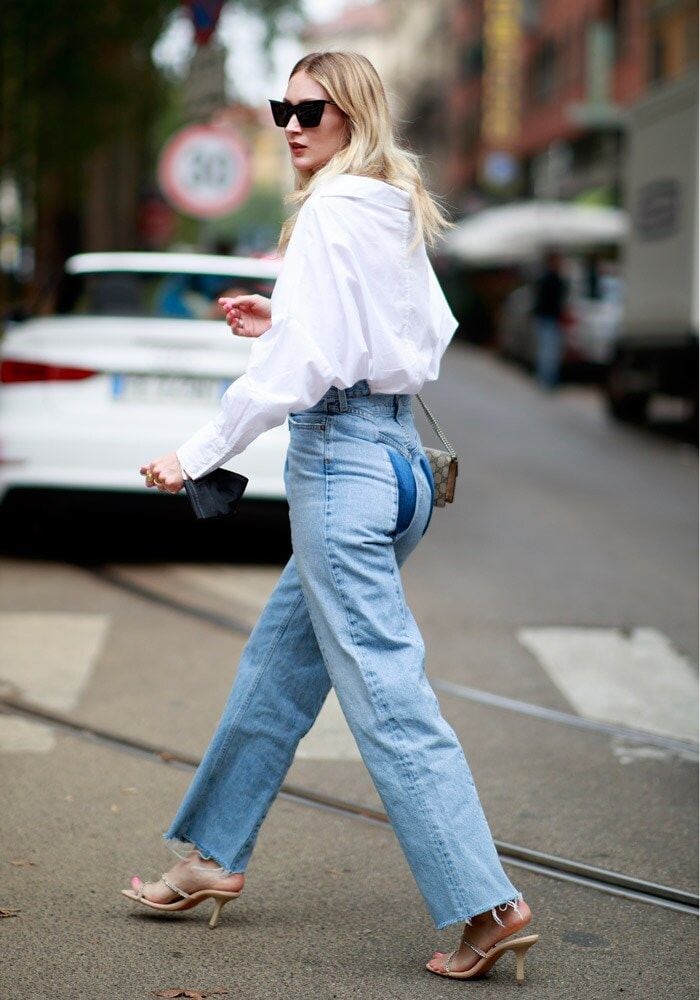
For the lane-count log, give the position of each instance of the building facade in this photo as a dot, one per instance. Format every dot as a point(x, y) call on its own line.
point(410, 45)
point(517, 98)
point(673, 39)
point(573, 69)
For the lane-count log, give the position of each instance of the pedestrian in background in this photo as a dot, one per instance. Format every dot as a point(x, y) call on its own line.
point(550, 296)
point(357, 323)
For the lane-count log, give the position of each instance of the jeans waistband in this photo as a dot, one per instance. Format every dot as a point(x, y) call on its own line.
point(336, 400)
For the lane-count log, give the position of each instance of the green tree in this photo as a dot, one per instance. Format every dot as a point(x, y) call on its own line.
point(79, 94)
point(75, 76)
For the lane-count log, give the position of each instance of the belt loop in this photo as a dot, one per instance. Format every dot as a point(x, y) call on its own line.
point(342, 401)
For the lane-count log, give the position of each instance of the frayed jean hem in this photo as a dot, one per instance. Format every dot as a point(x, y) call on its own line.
point(467, 918)
point(176, 843)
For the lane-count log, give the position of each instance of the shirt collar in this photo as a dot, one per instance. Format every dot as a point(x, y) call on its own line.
point(353, 186)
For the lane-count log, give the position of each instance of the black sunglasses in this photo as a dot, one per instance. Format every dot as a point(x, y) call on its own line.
point(309, 113)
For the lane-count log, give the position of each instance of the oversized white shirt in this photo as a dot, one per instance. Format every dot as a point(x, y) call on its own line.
point(351, 302)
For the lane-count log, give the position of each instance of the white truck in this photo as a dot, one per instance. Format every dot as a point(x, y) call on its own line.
point(656, 351)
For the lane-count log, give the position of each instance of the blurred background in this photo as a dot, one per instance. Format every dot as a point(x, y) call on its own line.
point(582, 111)
point(141, 177)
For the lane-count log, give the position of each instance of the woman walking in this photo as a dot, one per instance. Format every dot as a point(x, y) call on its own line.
point(356, 324)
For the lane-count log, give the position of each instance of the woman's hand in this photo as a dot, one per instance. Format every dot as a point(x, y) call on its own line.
point(247, 315)
point(165, 474)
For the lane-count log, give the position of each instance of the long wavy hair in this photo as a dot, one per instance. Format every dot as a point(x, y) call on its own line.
point(371, 150)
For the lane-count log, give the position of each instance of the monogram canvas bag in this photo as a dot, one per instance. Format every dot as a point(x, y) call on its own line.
point(443, 463)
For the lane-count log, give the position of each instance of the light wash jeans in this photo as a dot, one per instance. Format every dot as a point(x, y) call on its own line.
point(550, 346)
point(360, 496)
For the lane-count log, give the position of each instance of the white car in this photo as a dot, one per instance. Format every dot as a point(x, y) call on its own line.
point(591, 321)
point(134, 360)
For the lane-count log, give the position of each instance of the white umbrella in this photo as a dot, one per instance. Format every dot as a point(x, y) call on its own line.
point(522, 230)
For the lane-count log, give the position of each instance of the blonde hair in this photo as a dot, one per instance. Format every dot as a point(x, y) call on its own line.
point(371, 150)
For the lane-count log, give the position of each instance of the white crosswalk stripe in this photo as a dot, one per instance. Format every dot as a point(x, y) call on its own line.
point(329, 738)
point(23, 736)
point(636, 679)
point(46, 659)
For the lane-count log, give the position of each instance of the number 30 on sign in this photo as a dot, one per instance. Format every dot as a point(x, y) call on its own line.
point(204, 171)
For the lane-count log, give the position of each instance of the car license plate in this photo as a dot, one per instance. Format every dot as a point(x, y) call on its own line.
point(158, 388)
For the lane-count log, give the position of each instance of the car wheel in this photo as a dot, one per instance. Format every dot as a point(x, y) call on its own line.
point(628, 389)
point(630, 407)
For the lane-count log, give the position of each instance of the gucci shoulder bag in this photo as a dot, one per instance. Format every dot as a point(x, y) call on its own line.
point(444, 464)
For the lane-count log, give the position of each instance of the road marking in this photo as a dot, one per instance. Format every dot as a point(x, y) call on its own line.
point(633, 753)
point(23, 736)
point(251, 586)
point(329, 738)
point(636, 679)
point(48, 657)
point(246, 589)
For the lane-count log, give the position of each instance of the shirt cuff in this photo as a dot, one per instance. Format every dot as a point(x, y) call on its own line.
point(203, 452)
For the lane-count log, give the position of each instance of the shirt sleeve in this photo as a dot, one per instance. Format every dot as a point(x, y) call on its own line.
point(443, 321)
point(317, 339)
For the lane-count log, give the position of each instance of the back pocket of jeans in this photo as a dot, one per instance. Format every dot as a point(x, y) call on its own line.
point(406, 484)
point(425, 466)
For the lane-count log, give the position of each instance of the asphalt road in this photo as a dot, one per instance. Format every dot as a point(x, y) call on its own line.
point(558, 591)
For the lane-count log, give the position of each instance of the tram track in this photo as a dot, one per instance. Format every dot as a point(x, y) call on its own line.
point(688, 749)
point(548, 865)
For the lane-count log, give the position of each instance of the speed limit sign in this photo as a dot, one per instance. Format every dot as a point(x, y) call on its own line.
point(204, 171)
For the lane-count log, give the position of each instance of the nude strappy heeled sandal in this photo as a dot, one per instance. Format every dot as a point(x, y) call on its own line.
point(189, 899)
point(488, 958)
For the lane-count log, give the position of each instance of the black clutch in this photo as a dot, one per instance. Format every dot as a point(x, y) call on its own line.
point(217, 494)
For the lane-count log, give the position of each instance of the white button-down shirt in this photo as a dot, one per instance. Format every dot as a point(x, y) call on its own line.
point(351, 302)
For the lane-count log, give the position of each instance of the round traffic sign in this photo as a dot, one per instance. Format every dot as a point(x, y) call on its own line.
point(204, 171)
